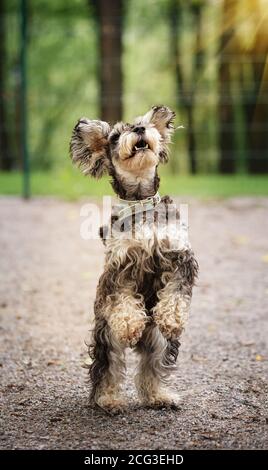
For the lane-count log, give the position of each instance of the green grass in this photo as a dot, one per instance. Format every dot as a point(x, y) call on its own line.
point(72, 185)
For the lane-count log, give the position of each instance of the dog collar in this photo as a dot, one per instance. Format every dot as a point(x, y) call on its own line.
point(127, 208)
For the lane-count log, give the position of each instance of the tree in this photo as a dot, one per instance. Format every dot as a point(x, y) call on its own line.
point(109, 22)
point(185, 86)
point(226, 106)
point(254, 86)
point(5, 151)
point(243, 50)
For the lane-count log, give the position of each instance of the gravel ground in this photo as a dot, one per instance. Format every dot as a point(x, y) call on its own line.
point(47, 284)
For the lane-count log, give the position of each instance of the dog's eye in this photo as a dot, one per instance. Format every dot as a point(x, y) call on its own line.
point(114, 138)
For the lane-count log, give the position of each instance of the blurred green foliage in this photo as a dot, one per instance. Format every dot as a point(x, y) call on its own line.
point(63, 85)
point(69, 184)
point(62, 74)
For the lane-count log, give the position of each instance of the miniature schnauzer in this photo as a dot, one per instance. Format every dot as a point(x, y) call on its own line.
point(143, 296)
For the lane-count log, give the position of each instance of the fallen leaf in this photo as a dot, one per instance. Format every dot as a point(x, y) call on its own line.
point(87, 362)
point(72, 215)
point(26, 287)
point(238, 302)
point(247, 343)
point(240, 240)
point(259, 357)
point(265, 258)
point(211, 327)
point(87, 275)
point(196, 358)
point(54, 362)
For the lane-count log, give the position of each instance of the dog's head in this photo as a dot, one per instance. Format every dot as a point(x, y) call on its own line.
point(125, 151)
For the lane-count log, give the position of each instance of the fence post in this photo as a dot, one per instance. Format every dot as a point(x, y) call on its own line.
point(23, 99)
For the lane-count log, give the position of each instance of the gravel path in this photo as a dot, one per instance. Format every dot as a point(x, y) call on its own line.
point(48, 278)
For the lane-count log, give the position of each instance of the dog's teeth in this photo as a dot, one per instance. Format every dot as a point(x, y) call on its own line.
point(141, 148)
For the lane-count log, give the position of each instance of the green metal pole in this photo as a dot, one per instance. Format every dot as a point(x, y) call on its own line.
point(23, 100)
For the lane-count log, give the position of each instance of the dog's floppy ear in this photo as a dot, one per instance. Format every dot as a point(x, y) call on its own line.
point(89, 146)
point(163, 119)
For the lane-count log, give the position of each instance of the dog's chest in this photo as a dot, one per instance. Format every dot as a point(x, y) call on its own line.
point(145, 244)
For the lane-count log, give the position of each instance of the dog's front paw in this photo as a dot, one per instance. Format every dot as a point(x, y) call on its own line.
point(169, 327)
point(127, 330)
point(135, 331)
point(170, 315)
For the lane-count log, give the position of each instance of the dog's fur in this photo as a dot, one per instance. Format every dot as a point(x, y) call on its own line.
point(144, 293)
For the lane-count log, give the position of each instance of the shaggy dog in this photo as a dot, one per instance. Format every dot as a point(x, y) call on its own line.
point(144, 293)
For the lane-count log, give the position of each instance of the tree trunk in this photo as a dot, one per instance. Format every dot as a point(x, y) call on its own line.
point(109, 16)
point(227, 121)
point(226, 106)
point(258, 124)
point(256, 101)
point(185, 91)
point(196, 10)
point(191, 139)
point(5, 153)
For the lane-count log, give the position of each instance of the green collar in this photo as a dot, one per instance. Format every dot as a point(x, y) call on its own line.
point(127, 208)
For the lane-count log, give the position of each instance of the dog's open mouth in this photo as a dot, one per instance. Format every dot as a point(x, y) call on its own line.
point(139, 146)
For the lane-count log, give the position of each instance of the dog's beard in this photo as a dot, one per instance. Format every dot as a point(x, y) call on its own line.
point(139, 152)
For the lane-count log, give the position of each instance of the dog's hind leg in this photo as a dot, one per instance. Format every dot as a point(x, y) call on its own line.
point(107, 368)
point(120, 322)
point(157, 359)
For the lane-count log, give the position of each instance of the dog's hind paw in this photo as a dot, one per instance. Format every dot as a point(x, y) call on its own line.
point(162, 400)
point(111, 405)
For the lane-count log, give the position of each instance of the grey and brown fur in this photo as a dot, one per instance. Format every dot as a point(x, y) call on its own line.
point(143, 296)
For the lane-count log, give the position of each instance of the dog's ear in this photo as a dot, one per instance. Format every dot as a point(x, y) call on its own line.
point(89, 146)
point(163, 119)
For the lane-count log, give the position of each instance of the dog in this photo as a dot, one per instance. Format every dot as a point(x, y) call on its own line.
point(144, 294)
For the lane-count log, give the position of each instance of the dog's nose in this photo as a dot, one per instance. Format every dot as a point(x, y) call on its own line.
point(139, 129)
